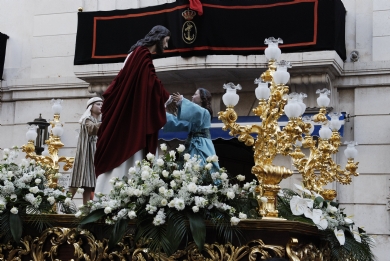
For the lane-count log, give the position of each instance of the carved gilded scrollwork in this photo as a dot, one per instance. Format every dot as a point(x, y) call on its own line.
point(86, 247)
point(307, 252)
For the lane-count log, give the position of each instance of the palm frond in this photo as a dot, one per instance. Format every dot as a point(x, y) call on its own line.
point(158, 235)
point(176, 229)
point(5, 231)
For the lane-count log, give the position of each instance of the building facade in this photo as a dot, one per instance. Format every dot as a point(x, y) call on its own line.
point(39, 67)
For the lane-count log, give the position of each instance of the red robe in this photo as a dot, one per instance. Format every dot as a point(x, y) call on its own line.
point(132, 114)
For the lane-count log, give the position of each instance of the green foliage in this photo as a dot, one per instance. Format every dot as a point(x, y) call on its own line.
point(93, 216)
point(198, 228)
point(16, 226)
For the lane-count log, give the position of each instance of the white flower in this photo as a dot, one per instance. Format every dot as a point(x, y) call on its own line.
point(137, 192)
point(331, 209)
point(132, 170)
point(179, 204)
point(145, 175)
point(192, 187)
point(195, 209)
point(323, 224)
point(150, 156)
point(160, 162)
point(132, 214)
point(208, 166)
point(316, 216)
point(13, 197)
point(163, 147)
point(234, 221)
point(34, 189)
point(173, 184)
point(51, 200)
point(355, 232)
point(302, 189)
point(80, 190)
point(187, 156)
point(298, 205)
point(164, 202)
point(348, 221)
point(57, 175)
point(165, 173)
point(176, 173)
point(224, 176)
point(10, 174)
point(214, 158)
point(340, 236)
point(78, 214)
point(6, 151)
point(230, 194)
point(37, 181)
point(14, 210)
point(67, 201)
point(162, 190)
point(242, 215)
point(107, 210)
point(240, 177)
point(181, 148)
point(172, 153)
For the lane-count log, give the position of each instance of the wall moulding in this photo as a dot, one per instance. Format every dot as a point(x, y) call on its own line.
point(311, 68)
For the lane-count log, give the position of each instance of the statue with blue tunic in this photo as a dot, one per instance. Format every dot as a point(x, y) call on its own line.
point(194, 117)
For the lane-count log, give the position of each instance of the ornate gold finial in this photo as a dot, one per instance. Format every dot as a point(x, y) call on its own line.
point(80, 9)
point(188, 14)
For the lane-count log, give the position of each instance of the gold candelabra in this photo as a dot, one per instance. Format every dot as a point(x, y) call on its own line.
point(317, 169)
point(49, 157)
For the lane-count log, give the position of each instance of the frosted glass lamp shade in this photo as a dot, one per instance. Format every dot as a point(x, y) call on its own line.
point(325, 132)
point(323, 100)
point(292, 109)
point(281, 76)
point(262, 91)
point(272, 52)
point(58, 130)
point(31, 133)
point(56, 107)
point(230, 98)
point(351, 152)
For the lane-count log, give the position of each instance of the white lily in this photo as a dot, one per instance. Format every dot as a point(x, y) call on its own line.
point(298, 205)
point(302, 189)
point(340, 236)
point(355, 232)
point(323, 224)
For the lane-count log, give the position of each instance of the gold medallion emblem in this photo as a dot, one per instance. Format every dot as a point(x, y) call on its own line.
point(189, 31)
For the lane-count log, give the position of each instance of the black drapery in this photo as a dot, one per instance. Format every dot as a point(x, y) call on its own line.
point(226, 27)
point(3, 45)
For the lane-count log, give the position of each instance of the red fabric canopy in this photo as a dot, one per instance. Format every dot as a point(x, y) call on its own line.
point(132, 114)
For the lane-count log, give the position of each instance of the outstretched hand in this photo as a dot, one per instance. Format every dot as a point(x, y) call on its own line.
point(176, 97)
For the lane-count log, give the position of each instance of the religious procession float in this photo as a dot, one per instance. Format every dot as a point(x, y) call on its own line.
point(171, 207)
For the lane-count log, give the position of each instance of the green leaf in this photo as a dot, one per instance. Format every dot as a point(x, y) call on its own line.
point(198, 229)
point(16, 225)
point(93, 216)
point(118, 232)
point(176, 230)
point(318, 200)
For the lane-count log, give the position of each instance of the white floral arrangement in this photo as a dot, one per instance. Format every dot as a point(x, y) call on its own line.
point(347, 241)
point(24, 189)
point(160, 190)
